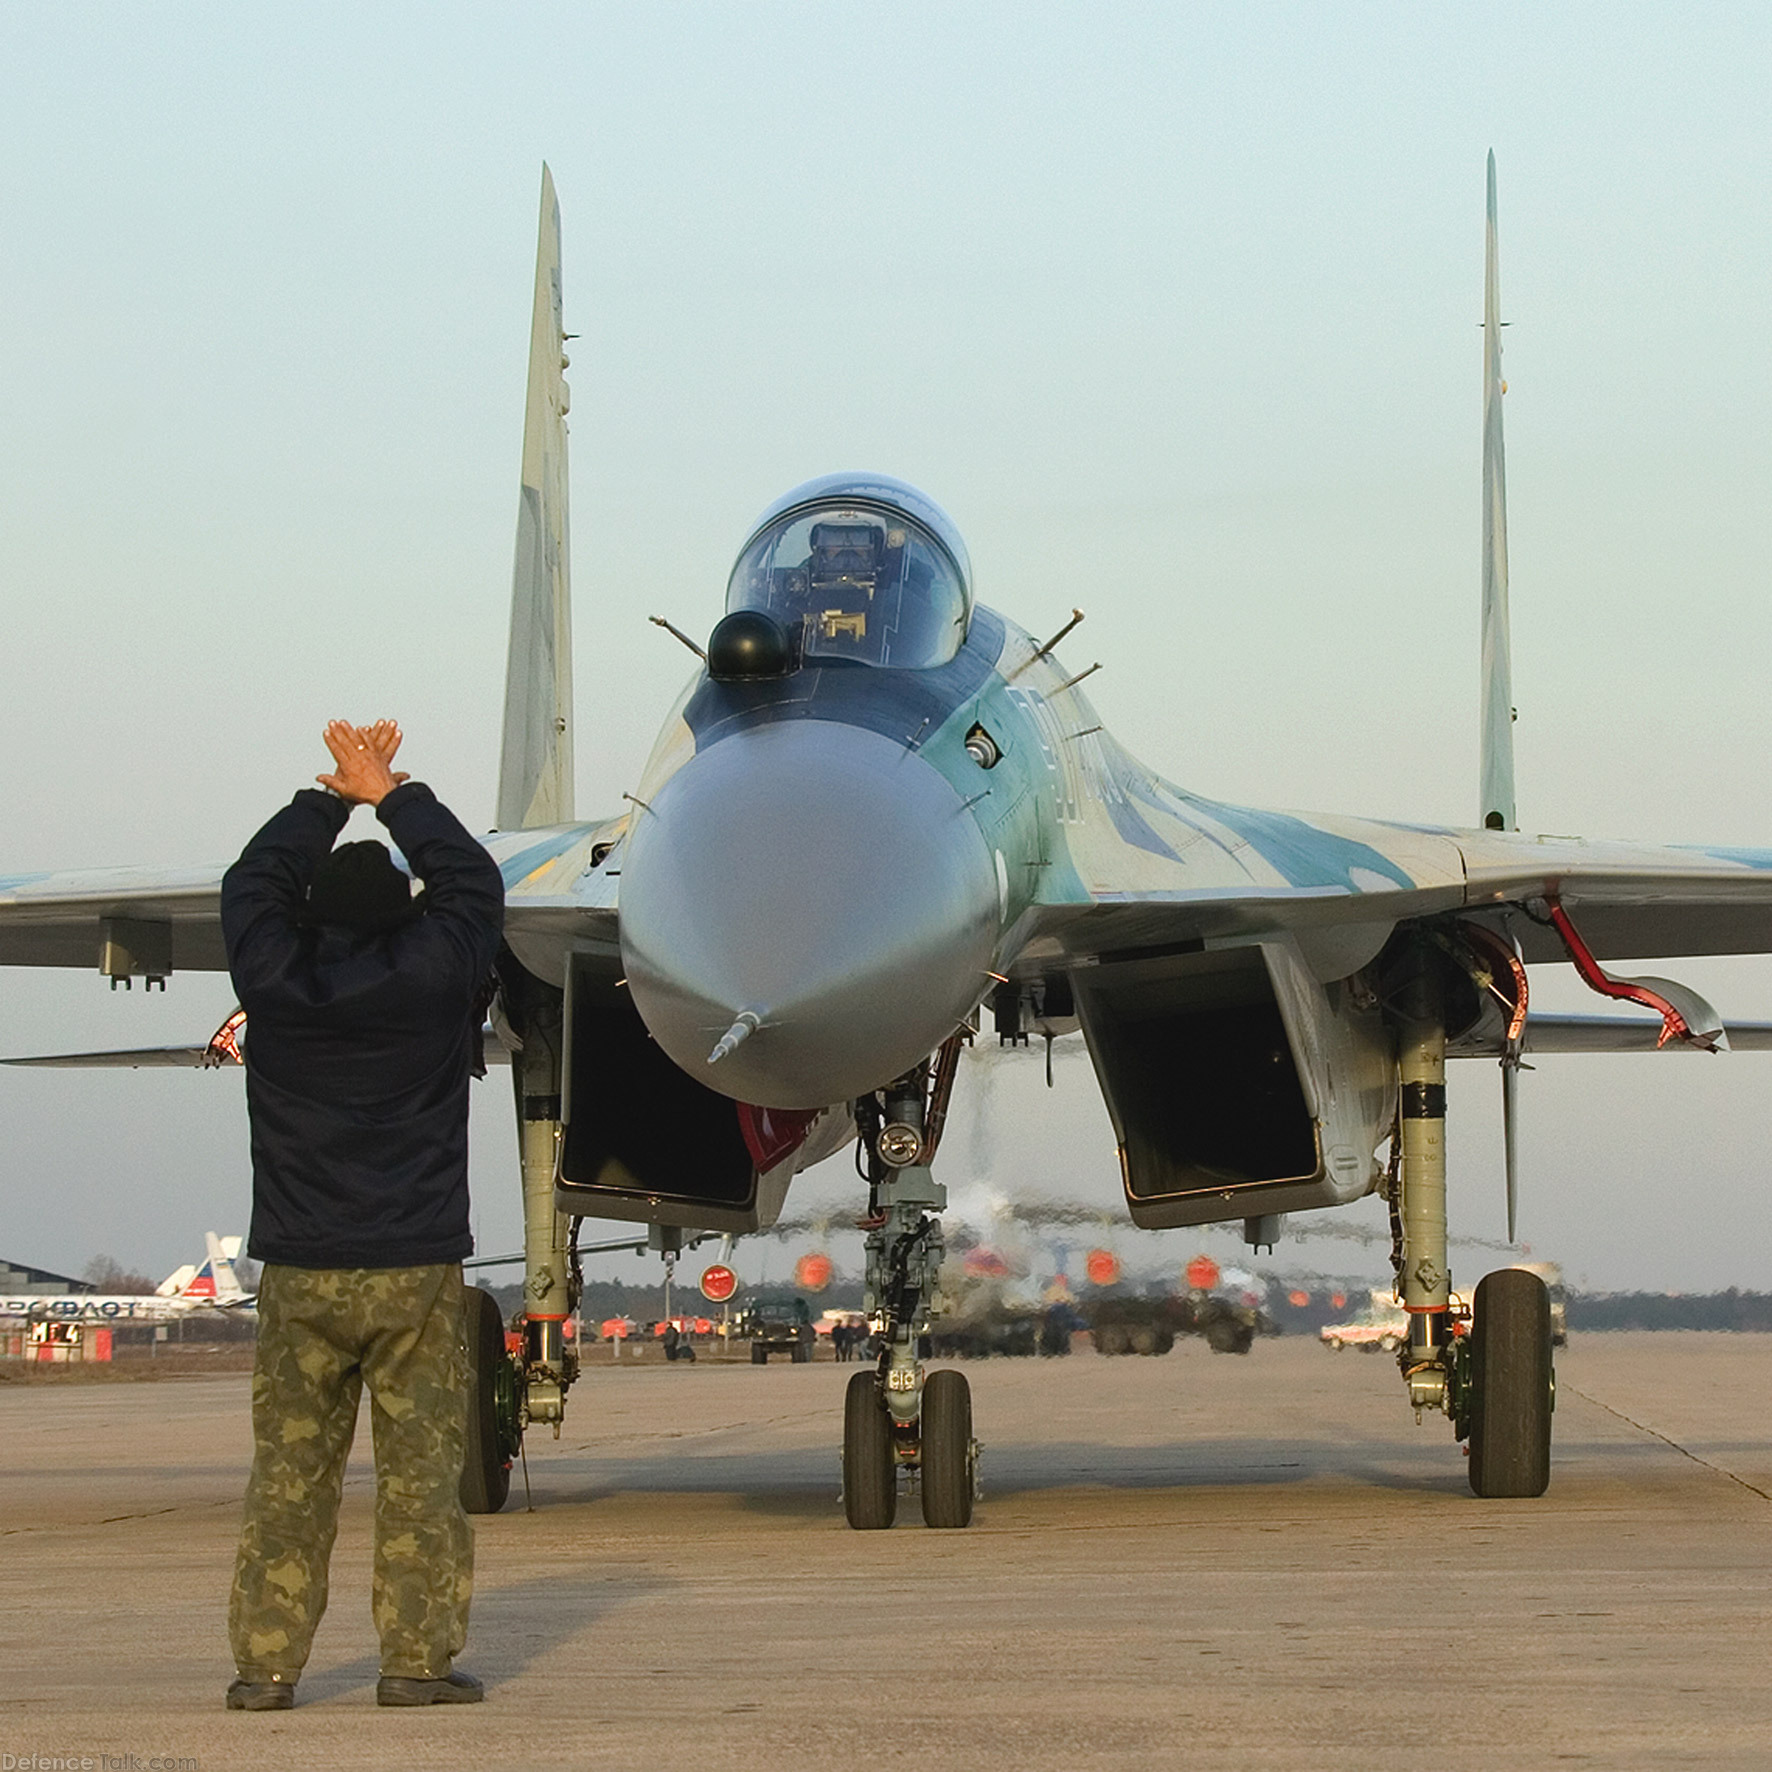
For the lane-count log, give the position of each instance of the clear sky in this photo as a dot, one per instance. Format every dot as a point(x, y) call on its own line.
point(1175, 308)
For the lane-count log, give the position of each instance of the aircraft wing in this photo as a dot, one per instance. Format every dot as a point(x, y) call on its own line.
point(1620, 1033)
point(135, 1058)
point(152, 922)
point(1631, 901)
point(191, 1058)
point(1162, 869)
point(66, 919)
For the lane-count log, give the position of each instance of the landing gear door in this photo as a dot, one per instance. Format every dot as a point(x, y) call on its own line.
point(1344, 1064)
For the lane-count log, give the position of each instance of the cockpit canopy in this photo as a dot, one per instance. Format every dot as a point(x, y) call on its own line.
point(862, 568)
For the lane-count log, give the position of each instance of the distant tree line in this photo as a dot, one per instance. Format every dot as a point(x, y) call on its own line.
point(1671, 1310)
point(106, 1274)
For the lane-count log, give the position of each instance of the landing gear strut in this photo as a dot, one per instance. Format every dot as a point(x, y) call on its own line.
point(896, 1417)
point(535, 1382)
point(1495, 1382)
point(1428, 1360)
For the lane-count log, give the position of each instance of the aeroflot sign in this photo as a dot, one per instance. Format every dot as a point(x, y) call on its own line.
point(75, 1310)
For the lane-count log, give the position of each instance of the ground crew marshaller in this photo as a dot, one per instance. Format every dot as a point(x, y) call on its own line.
point(363, 1004)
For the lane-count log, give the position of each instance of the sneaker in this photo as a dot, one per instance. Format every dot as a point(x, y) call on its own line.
point(454, 1688)
point(271, 1694)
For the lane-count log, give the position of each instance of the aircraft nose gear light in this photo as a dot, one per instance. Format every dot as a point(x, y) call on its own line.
point(899, 1145)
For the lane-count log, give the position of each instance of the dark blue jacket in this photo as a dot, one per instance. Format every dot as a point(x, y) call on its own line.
point(358, 1047)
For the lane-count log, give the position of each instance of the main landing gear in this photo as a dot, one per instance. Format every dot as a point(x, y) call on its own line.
point(1489, 1371)
point(897, 1417)
point(513, 1385)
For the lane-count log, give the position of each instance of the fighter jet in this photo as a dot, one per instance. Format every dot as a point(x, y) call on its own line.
point(880, 810)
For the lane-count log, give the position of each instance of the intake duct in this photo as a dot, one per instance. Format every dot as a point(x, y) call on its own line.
point(644, 1141)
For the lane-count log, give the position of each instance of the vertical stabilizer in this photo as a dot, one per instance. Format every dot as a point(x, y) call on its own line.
point(223, 1252)
point(1497, 809)
point(535, 763)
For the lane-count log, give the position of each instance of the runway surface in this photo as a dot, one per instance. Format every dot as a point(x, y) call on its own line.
point(1194, 1560)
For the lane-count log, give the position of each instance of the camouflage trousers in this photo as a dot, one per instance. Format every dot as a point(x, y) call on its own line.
point(323, 1333)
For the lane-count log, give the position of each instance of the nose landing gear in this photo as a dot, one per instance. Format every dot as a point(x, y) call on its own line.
point(897, 1417)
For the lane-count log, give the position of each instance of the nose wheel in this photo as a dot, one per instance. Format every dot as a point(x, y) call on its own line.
point(939, 1446)
point(950, 1454)
point(870, 1464)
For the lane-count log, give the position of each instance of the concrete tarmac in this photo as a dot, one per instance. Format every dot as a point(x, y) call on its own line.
point(1187, 1561)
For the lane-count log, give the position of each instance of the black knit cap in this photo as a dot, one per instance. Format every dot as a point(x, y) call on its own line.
point(358, 887)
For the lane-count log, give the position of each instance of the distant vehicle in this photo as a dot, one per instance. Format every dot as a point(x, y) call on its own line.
point(989, 1325)
point(1228, 1321)
point(777, 1326)
point(1382, 1327)
point(212, 1288)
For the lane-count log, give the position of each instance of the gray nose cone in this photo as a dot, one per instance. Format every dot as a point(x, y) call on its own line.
point(818, 879)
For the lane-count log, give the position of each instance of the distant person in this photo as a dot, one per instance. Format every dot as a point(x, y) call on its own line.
point(363, 1007)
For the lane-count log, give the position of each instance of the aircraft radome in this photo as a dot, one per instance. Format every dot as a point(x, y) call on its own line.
point(879, 810)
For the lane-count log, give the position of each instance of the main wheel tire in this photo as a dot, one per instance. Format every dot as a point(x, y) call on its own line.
point(759, 1354)
point(486, 1470)
point(870, 1469)
point(1511, 1386)
point(948, 1473)
point(1221, 1337)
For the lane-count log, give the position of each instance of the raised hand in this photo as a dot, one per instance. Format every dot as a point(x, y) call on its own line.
point(362, 776)
point(385, 736)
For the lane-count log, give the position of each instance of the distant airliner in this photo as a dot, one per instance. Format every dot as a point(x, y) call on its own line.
point(191, 1290)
